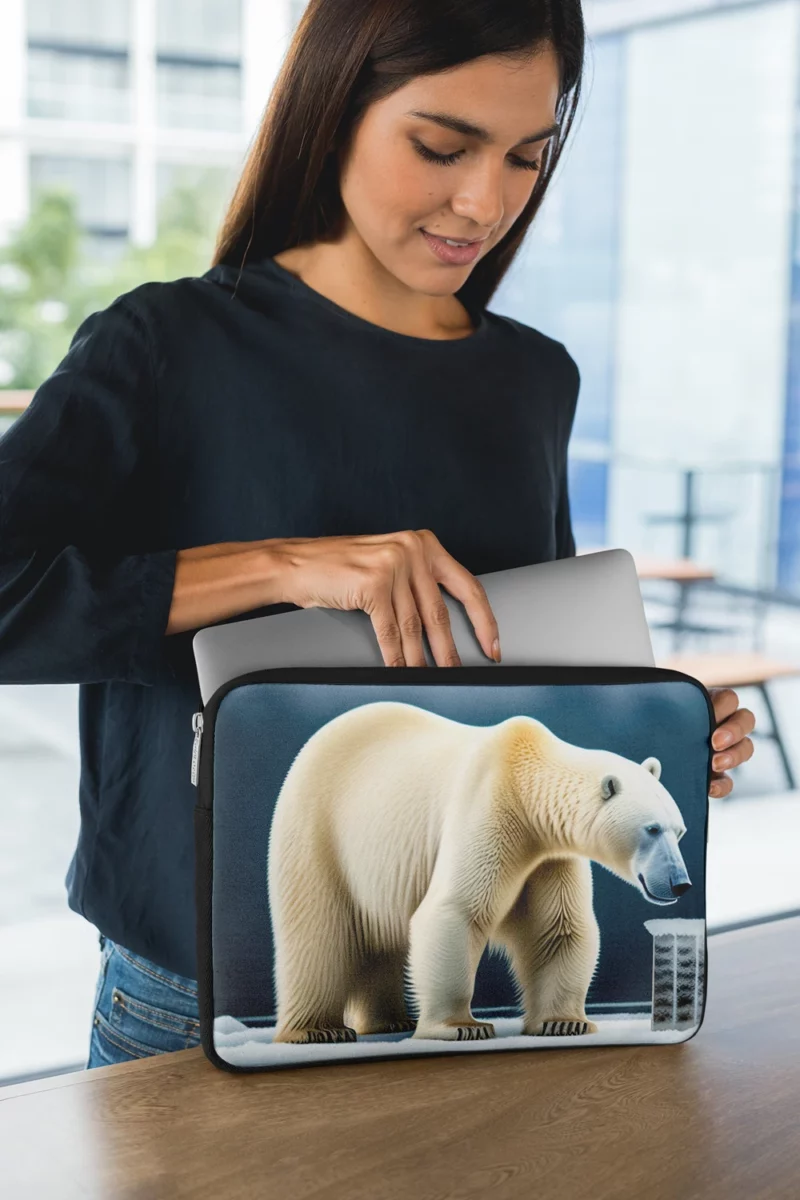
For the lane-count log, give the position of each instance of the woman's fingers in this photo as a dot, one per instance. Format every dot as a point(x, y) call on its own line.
point(409, 622)
point(422, 549)
point(436, 616)
point(380, 611)
point(725, 701)
point(733, 729)
point(462, 584)
point(394, 578)
point(732, 722)
point(737, 754)
point(395, 610)
point(729, 739)
point(722, 784)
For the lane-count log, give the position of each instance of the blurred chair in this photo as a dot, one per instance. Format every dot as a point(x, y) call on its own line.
point(685, 574)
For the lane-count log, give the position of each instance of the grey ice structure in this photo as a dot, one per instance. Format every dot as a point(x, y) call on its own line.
point(679, 956)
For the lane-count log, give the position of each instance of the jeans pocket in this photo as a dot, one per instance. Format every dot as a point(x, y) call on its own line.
point(141, 1009)
point(148, 1028)
point(108, 1045)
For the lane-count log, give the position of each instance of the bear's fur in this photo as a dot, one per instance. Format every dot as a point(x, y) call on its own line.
point(403, 842)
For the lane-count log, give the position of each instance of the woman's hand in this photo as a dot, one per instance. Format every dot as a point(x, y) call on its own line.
point(394, 578)
point(729, 738)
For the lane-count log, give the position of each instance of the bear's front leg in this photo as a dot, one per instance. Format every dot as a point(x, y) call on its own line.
point(444, 953)
point(553, 939)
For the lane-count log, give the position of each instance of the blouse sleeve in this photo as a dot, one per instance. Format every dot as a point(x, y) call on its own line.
point(82, 599)
point(565, 539)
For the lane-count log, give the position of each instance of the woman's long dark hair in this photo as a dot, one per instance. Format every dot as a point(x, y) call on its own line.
point(347, 54)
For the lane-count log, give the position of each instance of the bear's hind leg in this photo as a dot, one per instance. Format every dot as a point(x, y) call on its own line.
point(313, 967)
point(553, 939)
point(376, 1002)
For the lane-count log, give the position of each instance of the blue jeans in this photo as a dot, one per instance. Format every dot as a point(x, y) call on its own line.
point(140, 1009)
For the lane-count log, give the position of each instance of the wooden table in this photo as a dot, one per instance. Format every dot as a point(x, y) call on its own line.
point(676, 570)
point(731, 669)
point(715, 1118)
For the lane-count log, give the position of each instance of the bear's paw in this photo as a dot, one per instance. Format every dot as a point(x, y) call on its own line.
point(307, 1036)
point(399, 1026)
point(561, 1027)
point(457, 1031)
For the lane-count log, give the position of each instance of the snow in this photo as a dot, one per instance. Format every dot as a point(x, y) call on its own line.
point(241, 1046)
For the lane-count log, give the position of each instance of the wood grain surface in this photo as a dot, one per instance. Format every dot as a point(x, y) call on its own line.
point(716, 1118)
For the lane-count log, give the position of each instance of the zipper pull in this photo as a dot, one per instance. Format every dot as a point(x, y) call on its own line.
point(197, 726)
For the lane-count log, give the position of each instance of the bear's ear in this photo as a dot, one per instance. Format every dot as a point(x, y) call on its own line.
point(610, 786)
point(653, 766)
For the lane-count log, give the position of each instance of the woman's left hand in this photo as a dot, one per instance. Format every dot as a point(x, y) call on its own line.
point(729, 738)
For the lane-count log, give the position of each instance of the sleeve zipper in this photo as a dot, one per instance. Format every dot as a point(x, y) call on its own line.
point(197, 726)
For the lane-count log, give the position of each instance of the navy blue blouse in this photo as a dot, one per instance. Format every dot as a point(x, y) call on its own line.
point(234, 407)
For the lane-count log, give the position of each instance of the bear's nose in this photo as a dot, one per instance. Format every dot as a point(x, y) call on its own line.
point(678, 889)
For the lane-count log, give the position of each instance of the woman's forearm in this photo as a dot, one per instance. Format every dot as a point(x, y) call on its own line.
point(221, 580)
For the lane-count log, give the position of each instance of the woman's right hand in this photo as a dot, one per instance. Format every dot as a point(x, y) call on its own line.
point(394, 578)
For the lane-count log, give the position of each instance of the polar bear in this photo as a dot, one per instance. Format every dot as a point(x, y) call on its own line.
point(402, 842)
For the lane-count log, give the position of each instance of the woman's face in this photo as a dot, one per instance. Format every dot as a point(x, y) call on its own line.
point(393, 189)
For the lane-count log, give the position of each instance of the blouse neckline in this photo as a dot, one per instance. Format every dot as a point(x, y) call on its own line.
point(304, 290)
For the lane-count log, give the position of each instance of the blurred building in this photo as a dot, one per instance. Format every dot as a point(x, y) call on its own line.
point(122, 99)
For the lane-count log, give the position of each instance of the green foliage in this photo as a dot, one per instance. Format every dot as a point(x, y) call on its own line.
point(50, 279)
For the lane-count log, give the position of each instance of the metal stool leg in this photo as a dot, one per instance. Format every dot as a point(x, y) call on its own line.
point(787, 766)
point(680, 610)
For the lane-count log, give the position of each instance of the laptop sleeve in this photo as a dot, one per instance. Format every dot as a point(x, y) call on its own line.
point(417, 860)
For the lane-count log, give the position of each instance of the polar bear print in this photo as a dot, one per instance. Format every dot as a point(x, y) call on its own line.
point(403, 842)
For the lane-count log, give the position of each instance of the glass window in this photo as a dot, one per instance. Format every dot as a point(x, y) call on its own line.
point(198, 45)
point(91, 22)
point(198, 96)
point(78, 87)
point(102, 188)
point(211, 28)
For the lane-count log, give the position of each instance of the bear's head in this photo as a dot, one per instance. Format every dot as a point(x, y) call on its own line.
point(637, 827)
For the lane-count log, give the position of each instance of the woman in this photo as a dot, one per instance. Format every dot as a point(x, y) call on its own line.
point(328, 417)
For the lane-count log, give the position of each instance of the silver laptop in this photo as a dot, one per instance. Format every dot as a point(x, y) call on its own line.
point(586, 611)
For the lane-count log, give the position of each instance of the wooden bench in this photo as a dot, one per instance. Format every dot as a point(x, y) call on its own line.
point(12, 403)
point(740, 670)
